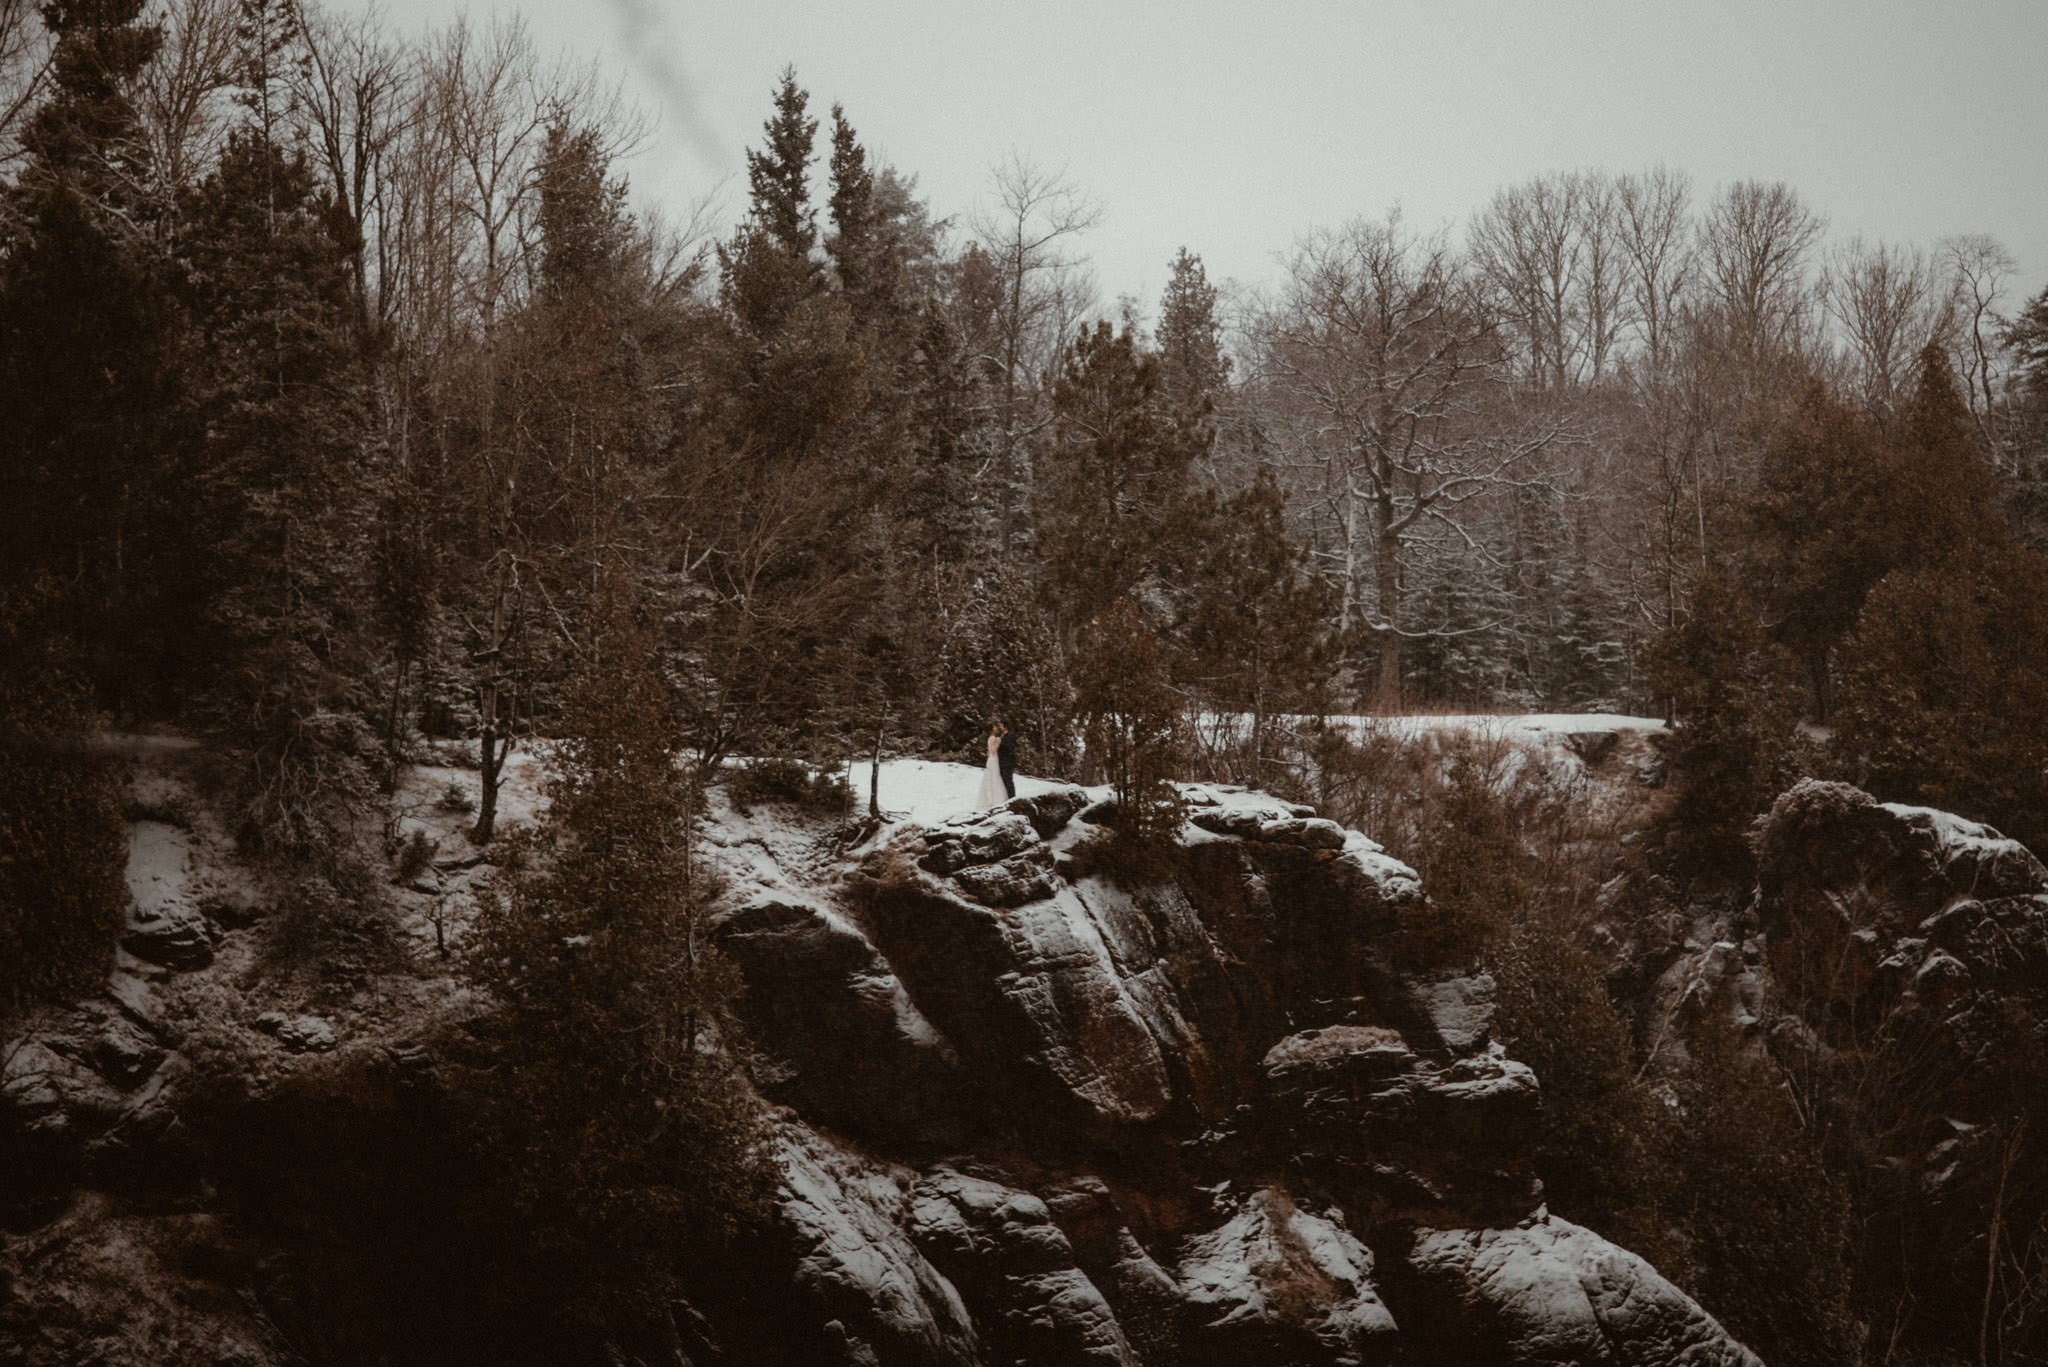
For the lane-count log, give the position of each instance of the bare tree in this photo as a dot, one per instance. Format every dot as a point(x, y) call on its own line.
point(458, 199)
point(1980, 266)
point(1653, 221)
point(1755, 245)
point(182, 97)
point(1025, 231)
point(1605, 303)
point(25, 50)
point(1885, 302)
point(1550, 255)
point(1525, 245)
point(359, 97)
point(1385, 377)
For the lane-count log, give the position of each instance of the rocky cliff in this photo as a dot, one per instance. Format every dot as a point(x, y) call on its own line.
point(1031, 1108)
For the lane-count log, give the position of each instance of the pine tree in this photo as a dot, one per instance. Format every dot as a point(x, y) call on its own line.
point(1254, 620)
point(767, 266)
point(1945, 697)
point(1838, 506)
point(288, 487)
point(860, 255)
point(85, 137)
point(779, 176)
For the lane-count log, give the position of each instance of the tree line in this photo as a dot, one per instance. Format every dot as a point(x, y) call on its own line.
point(336, 373)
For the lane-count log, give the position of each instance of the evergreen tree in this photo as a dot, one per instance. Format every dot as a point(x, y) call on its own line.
point(1945, 700)
point(585, 229)
point(1824, 528)
point(767, 267)
point(63, 840)
point(1253, 618)
point(1133, 720)
point(779, 175)
point(87, 369)
point(288, 485)
point(1113, 476)
point(614, 1100)
point(859, 249)
point(1837, 507)
point(1000, 662)
point(1728, 685)
point(85, 138)
point(1190, 338)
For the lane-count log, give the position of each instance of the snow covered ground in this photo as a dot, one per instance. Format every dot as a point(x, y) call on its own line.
point(1534, 725)
point(929, 791)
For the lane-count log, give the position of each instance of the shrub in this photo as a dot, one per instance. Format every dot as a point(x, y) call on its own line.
point(414, 856)
point(1133, 719)
point(786, 780)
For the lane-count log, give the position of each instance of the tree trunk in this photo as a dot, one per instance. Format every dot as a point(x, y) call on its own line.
point(493, 744)
point(875, 774)
point(1387, 689)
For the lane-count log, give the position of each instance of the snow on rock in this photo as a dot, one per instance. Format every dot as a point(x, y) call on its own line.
point(1459, 1008)
point(1548, 1291)
point(165, 927)
point(1031, 1109)
point(857, 1267)
point(1017, 1271)
point(849, 1045)
point(1973, 855)
point(1274, 1276)
point(1396, 1134)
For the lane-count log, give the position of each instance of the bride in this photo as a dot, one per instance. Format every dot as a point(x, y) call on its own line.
point(992, 793)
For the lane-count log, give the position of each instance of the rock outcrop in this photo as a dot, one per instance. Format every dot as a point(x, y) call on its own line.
point(1034, 1110)
point(1210, 1118)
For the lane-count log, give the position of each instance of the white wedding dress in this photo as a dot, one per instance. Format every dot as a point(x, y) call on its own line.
point(992, 792)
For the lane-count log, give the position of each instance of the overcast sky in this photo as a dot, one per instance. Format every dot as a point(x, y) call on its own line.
point(1231, 128)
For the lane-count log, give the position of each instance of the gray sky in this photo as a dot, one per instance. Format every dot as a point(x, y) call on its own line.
point(1231, 128)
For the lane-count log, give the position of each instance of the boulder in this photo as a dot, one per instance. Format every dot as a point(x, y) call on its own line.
point(1017, 1272)
point(869, 1295)
point(1050, 813)
point(165, 926)
point(1546, 1290)
point(1396, 1135)
point(1277, 1283)
point(849, 1045)
point(980, 839)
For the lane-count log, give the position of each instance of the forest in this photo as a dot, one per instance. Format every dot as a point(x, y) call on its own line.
point(337, 370)
point(351, 412)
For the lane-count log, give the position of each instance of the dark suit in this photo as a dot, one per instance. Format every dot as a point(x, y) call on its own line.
point(1006, 761)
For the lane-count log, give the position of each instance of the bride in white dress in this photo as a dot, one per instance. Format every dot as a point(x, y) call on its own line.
point(992, 793)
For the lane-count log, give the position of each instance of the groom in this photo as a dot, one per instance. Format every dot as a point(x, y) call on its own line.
point(1006, 760)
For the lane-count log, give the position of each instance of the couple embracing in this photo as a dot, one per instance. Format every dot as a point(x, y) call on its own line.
point(999, 775)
